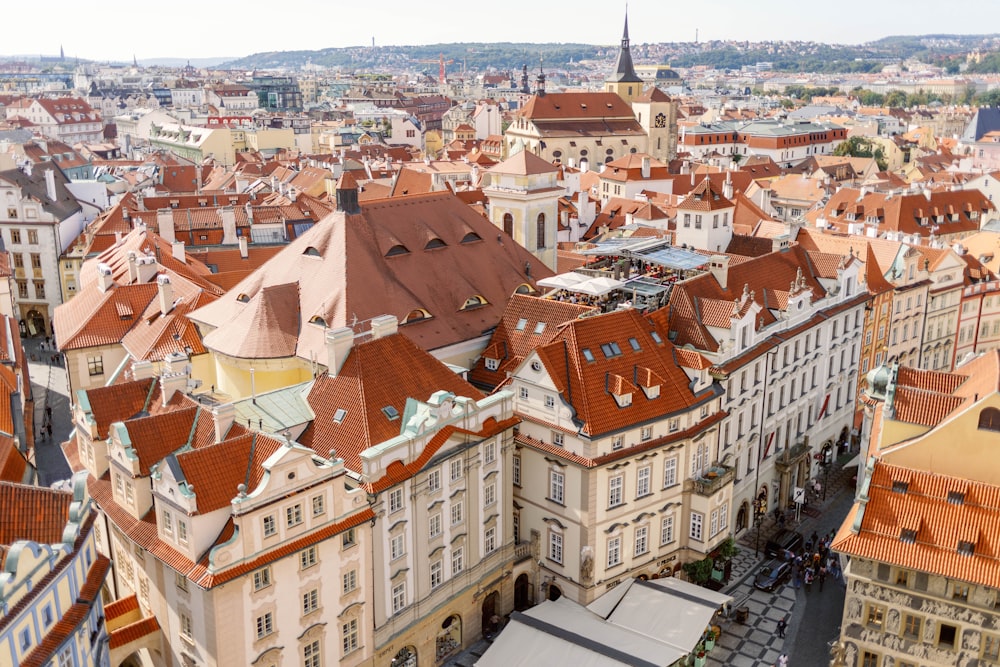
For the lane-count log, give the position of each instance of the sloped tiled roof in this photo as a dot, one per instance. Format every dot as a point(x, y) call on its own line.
point(378, 373)
point(215, 472)
point(399, 255)
point(939, 524)
point(32, 513)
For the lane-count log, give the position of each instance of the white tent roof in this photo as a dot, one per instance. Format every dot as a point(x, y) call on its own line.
point(563, 280)
point(597, 286)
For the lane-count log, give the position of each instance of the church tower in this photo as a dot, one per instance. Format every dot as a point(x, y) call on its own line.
point(624, 80)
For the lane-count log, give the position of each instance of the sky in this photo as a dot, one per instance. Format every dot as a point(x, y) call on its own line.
point(187, 29)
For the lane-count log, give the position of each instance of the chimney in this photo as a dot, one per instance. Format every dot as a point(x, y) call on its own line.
point(165, 291)
point(143, 370)
point(175, 375)
point(727, 187)
point(146, 268)
point(104, 279)
point(165, 221)
point(338, 345)
point(50, 184)
point(384, 325)
point(645, 166)
point(133, 269)
point(228, 225)
point(177, 251)
point(718, 266)
point(927, 193)
point(223, 416)
point(244, 251)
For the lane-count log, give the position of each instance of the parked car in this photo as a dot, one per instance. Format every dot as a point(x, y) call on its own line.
point(771, 574)
point(784, 541)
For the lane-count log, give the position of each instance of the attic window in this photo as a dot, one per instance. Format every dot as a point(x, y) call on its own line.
point(956, 498)
point(391, 413)
point(635, 344)
point(540, 327)
point(989, 419)
point(243, 298)
point(416, 315)
point(900, 486)
point(524, 288)
point(316, 319)
point(966, 548)
point(338, 415)
point(474, 302)
point(587, 354)
point(908, 536)
point(521, 323)
point(434, 243)
point(611, 349)
point(311, 252)
point(656, 337)
point(471, 237)
point(397, 250)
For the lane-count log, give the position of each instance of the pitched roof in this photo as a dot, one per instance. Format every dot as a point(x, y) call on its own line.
point(398, 256)
point(920, 528)
point(32, 513)
point(611, 340)
point(524, 163)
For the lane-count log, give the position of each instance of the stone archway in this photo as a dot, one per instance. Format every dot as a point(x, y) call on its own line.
point(449, 638)
point(406, 657)
point(523, 597)
point(133, 660)
point(35, 322)
point(491, 620)
point(554, 592)
point(742, 516)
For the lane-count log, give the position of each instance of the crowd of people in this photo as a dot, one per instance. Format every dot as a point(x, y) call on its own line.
point(814, 562)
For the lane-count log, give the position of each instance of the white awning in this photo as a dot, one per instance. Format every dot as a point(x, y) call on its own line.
point(564, 280)
point(597, 286)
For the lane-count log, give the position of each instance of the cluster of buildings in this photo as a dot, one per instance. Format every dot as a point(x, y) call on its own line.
point(358, 405)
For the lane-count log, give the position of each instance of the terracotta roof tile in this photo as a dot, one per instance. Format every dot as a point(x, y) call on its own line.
point(32, 513)
point(133, 631)
point(155, 436)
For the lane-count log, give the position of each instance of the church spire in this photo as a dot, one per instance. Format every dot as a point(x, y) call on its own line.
point(624, 70)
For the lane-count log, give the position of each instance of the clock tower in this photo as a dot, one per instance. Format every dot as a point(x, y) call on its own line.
point(657, 114)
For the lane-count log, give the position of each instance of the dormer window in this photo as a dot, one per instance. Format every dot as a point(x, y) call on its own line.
point(956, 498)
point(397, 250)
point(908, 536)
point(966, 548)
point(416, 315)
point(473, 302)
point(316, 319)
point(311, 252)
point(434, 243)
point(623, 400)
point(899, 486)
point(492, 364)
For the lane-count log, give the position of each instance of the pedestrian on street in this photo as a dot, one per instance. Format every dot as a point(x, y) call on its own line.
point(782, 624)
point(808, 579)
point(43, 346)
point(822, 577)
point(48, 430)
point(782, 660)
point(48, 412)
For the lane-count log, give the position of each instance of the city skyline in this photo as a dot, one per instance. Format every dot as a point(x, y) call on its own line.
point(193, 29)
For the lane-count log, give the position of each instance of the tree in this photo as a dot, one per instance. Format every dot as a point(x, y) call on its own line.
point(895, 98)
point(862, 147)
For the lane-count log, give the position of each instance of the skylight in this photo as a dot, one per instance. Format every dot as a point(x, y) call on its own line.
point(521, 323)
point(540, 327)
point(587, 354)
point(338, 415)
point(655, 336)
point(634, 343)
point(390, 412)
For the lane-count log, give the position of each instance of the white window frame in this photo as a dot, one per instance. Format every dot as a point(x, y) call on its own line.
point(669, 471)
point(614, 551)
point(696, 530)
point(641, 540)
point(397, 546)
point(667, 530)
point(615, 485)
point(555, 546)
point(457, 560)
point(557, 486)
point(642, 481)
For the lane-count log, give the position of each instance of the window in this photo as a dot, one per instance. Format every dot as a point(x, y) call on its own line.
point(182, 531)
point(15, 234)
point(960, 591)
point(434, 525)
point(319, 505)
point(32, 236)
point(308, 557)
point(911, 626)
point(293, 515)
point(180, 581)
point(349, 631)
point(65, 658)
point(876, 616)
point(489, 494)
point(550, 402)
point(674, 424)
point(456, 512)
point(310, 601)
point(946, 635)
point(523, 393)
point(869, 659)
point(490, 540)
point(436, 574)
point(350, 582)
point(395, 500)
point(349, 539)
point(311, 656)
point(641, 540)
point(666, 530)
point(642, 481)
point(670, 472)
point(18, 260)
point(557, 483)
point(556, 547)
point(36, 260)
point(991, 647)
point(617, 443)
point(615, 490)
point(456, 470)
point(516, 473)
point(95, 365)
point(646, 433)
point(540, 231)
point(168, 523)
point(457, 561)
point(39, 289)
point(614, 551)
point(398, 597)
point(902, 577)
point(265, 625)
point(396, 547)
point(261, 578)
point(557, 438)
point(697, 526)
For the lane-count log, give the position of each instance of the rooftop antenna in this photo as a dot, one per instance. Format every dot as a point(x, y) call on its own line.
point(695, 35)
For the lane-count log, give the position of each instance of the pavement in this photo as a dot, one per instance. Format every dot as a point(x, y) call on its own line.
point(50, 389)
point(813, 617)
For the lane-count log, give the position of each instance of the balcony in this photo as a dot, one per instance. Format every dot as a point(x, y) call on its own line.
point(522, 551)
point(714, 479)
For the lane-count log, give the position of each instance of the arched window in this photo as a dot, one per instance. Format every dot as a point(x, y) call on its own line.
point(508, 224)
point(471, 237)
point(540, 233)
point(311, 252)
point(397, 250)
point(416, 315)
point(434, 243)
point(474, 302)
point(989, 419)
point(316, 319)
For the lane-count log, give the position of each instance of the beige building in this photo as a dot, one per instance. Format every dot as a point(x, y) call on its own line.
point(193, 142)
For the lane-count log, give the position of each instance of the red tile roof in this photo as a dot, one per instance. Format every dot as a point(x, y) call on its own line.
point(939, 523)
point(32, 513)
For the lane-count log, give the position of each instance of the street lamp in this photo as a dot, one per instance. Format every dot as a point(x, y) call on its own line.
point(759, 511)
